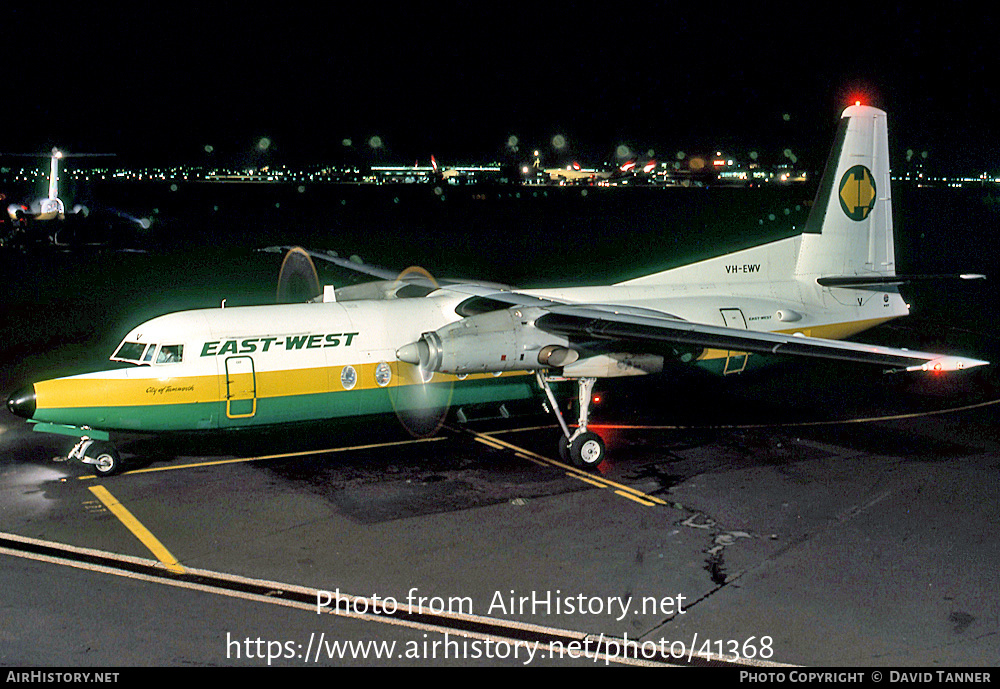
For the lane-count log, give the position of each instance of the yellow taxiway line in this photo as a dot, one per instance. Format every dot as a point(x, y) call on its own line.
point(138, 530)
point(484, 438)
point(556, 642)
point(580, 475)
point(283, 455)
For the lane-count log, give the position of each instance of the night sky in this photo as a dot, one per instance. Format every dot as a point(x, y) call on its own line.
point(457, 80)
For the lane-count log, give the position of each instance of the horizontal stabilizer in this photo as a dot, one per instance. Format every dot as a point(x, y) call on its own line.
point(879, 281)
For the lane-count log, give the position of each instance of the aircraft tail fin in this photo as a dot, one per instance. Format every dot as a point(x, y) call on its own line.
point(849, 230)
point(54, 173)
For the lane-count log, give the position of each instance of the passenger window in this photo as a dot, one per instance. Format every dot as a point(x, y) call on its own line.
point(170, 354)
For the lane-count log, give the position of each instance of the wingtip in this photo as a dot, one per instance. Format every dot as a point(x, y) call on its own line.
point(948, 363)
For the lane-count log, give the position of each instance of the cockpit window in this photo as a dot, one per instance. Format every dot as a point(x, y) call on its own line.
point(142, 353)
point(170, 354)
point(129, 351)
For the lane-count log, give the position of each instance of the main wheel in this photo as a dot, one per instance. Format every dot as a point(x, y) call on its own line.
point(587, 450)
point(564, 449)
point(107, 461)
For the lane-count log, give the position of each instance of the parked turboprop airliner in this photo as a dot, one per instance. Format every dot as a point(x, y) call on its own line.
point(378, 347)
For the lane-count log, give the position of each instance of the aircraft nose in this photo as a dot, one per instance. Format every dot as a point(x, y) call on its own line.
point(22, 402)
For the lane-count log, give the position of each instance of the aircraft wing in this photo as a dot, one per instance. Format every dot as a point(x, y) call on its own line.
point(627, 324)
point(606, 322)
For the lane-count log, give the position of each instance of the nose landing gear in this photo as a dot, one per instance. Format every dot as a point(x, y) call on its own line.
point(102, 456)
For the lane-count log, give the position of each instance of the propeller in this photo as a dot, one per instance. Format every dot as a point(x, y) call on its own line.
point(420, 398)
point(297, 280)
point(143, 223)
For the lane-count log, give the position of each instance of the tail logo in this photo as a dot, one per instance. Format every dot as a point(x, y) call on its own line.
point(857, 192)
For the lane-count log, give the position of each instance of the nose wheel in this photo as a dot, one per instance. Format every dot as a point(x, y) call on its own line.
point(105, 458)
point(102, 456)
point(581, 448)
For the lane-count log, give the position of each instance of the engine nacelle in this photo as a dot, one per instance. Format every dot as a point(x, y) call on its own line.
point(383, 289)
point(491, 342)
point(615, 365)
point(17, 211)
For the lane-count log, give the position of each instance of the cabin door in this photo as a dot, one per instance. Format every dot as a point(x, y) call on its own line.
point(241, 388)
point(735, 361)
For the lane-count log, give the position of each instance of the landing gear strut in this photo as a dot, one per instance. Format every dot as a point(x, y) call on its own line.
point(581, 447)
point(102, 456)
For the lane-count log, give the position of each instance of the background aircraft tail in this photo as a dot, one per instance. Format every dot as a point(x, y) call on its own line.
point(849, 230)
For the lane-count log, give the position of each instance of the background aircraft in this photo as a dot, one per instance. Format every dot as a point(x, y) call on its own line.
point(409, 344)
point(49, 207)
point(46, 219)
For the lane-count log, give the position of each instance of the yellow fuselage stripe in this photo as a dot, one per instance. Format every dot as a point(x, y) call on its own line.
point(93, 391)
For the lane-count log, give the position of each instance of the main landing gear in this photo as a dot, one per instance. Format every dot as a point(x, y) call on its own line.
point(101, 455)
point(581, 447)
